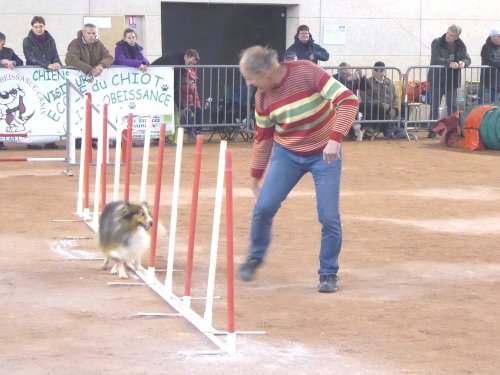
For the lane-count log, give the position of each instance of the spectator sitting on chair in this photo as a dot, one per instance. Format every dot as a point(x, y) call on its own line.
point(305, 48)
point(351, 81)
point(8, 59)
point(347, 77)
point(490, 77)
point(40, 49)
point(190, 100)
point(379, 101)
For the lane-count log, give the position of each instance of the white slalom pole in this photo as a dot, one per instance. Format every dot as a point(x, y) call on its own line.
point(118, 152)
point(145, 160)
point(215, 236)
point(97, 188)
point(173, 216)
point(79, 199)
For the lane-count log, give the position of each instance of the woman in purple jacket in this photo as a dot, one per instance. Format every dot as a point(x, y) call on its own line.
point(129, 53)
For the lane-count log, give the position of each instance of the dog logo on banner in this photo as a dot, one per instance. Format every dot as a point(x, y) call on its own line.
point(13, 110)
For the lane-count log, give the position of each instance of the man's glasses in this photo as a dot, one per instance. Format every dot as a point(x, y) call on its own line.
point(379, 70)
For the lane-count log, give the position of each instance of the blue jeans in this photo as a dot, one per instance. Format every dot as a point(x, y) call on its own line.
point(284, 172)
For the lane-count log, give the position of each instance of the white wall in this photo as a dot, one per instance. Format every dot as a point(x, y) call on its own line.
point(397, 32)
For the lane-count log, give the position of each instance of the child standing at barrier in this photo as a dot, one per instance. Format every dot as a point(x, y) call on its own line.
point(304, 114)
point(128, 52)
point(190, 100)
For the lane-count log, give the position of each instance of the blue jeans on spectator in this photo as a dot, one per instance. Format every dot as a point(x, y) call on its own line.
point(285, 170)
point(192, 116)
point(490, 95)
point(438, 90)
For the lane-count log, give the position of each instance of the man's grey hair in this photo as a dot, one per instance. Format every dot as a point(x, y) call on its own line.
point(455, 29)
point(257, 59)
point(89, 26)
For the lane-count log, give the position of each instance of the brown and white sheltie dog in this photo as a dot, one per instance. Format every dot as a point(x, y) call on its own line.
point(124, 234)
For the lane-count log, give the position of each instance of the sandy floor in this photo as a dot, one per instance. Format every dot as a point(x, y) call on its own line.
point(419, 279)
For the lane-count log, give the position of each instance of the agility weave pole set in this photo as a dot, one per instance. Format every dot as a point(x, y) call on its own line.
point(181, 304)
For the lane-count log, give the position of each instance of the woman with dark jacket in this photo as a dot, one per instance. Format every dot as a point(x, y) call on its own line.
point(40, 49)
point(305, 48)
point(490, 77)
point(129, 53)
point(8, 59)
point(450, 52)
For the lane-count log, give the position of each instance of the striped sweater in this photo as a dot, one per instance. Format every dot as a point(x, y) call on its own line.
point(302, 113)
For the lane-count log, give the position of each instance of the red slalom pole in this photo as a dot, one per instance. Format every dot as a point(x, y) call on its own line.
point(87, 143)
point(128, 157)
point(192, 218)
point(104, 153)
point(230, 252)
point(156, 206)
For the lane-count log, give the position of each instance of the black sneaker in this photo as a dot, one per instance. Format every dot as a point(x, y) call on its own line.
point(34, 147)
point(328, 283)
point(247, 270)
point(2, 146)
point(51, 146)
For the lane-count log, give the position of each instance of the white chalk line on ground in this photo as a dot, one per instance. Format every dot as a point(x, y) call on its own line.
point(476, 226)
point(66, 249)
point(411, 280)
point(31, 172)
point(267, 358)
point(482, 193)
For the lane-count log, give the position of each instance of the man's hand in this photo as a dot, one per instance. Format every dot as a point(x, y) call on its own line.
point(385, 106)
point(461, 64)
point(331, 152)
point(255, 186)
point(392, 113)
point(96, 72)
point(454, 65)
point(143, 68)
point(54, 66)
point(8, 64)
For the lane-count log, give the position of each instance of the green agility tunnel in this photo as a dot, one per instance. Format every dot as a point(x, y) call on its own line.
point(490, 128)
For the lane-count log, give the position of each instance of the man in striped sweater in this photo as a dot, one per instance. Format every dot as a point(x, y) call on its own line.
point(302, 115)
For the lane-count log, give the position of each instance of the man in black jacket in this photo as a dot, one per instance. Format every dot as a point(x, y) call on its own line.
point(450, 52)
point(490, 77)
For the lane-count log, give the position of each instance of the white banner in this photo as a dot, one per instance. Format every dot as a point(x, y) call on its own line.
point(34, 102)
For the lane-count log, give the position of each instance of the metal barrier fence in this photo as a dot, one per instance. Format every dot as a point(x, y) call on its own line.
point(214, 99)
point(379, 90)
point(420, 96)
point(433, 92)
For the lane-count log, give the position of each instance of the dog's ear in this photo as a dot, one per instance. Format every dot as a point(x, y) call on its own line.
point(126, 211)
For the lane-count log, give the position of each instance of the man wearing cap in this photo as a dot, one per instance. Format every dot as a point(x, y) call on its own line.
point(379, 101)
point(490, 77)
point(305, 48)
point(450, 52)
